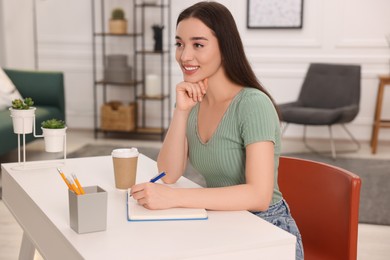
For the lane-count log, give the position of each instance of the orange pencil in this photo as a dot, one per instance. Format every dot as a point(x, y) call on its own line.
point(74, 188)
point(78, 184)
point(64, 178)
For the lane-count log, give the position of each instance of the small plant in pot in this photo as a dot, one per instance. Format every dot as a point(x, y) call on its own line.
point(54, 131)
point(23, 115)
point(118, 22)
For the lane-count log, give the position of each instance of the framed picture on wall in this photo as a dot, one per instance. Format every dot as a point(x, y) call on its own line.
point(274, 14)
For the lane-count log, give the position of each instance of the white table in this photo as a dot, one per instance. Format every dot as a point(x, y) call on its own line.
point(38, 199)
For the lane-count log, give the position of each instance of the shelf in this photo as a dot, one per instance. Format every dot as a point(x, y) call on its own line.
point(152, 5)
point(150, 130)
point(151, 52)
point(118, 35)
point(128, 84)
point(160, 97)
point(140, 58)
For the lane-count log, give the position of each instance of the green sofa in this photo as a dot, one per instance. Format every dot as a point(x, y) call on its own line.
point(47, 91)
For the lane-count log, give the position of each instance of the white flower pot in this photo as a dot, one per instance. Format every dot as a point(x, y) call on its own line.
point(54, 139)
point(23, 120)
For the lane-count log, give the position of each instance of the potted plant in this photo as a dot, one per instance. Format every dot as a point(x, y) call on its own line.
point(23, 115)
point(118, 22)
point(54, 131)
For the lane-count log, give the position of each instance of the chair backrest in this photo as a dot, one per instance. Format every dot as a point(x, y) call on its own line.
point(32, 83)
point(324, 201)
point(330, 86)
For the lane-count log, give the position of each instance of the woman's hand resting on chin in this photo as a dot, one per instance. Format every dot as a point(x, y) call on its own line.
point(188, 94)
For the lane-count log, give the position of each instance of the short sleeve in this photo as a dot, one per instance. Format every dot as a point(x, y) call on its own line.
point(259, 119)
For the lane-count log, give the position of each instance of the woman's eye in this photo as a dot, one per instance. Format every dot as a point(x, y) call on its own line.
point(178, 44)
point(198, 45)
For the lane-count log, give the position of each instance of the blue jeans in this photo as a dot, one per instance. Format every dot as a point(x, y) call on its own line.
point(279, 215)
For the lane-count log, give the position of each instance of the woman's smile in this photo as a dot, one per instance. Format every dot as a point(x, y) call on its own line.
point(190, 69)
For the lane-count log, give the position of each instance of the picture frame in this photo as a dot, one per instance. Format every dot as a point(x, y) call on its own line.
point(274, 14)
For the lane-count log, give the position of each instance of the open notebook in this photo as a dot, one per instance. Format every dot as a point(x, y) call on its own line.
point(136, 212)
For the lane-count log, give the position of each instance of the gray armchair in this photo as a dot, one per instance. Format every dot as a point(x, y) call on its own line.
point(330, 95)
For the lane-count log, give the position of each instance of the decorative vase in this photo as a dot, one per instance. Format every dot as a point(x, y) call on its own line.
point(118, 26)
point(117, 70)
point(153, 85)
point(54, 139)
point(23, 120)
point(158, 37)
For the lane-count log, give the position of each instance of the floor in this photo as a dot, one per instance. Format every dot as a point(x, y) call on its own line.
point(373, 243)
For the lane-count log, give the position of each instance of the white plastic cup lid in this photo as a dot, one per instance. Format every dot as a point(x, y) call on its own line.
point(125, 152)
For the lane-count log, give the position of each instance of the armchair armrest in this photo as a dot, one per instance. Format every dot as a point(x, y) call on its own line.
point(289, 104)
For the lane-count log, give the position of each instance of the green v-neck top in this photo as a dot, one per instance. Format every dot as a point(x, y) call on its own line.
point(250, 117)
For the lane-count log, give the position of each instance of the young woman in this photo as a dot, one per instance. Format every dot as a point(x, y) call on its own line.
point(224, 122)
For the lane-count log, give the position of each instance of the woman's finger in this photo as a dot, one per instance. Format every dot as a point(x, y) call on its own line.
point(142, 202)
point(203, 87)
point(136, 188)
point(195, 92)
point(137, 194)
point(189, 89)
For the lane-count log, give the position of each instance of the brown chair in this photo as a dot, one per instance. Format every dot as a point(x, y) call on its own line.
point(324, 201)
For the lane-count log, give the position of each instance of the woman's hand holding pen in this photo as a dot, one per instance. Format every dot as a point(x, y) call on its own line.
point(153, 195)
point(188, 94)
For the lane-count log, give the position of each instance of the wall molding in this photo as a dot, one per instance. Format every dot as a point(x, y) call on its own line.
point(250, 42)
point(275, 57)
point(374, 43)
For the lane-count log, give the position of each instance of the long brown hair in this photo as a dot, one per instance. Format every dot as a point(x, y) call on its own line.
point(219, 19)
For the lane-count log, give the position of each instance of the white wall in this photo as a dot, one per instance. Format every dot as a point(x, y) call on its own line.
point(334, 31)
point(2, 50)
point(18, 33)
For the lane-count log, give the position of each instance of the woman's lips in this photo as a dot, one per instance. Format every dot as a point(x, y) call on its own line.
point(189, 70)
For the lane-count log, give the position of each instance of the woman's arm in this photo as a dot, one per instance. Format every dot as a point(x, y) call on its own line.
point(172, 158)
point(174, 152)
point(254, 195)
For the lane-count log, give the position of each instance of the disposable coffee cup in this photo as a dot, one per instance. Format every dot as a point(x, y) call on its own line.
point(125, 167)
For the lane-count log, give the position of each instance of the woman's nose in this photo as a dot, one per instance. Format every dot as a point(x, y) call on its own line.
point(186, 55)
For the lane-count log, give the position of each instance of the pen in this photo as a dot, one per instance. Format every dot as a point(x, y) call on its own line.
point(78, 184)
point(156, 178)
point(64, 178)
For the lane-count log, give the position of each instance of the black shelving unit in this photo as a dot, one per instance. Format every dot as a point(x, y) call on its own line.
point(141, 55)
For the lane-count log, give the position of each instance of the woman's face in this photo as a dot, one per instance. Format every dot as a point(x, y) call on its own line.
point(197, 50)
